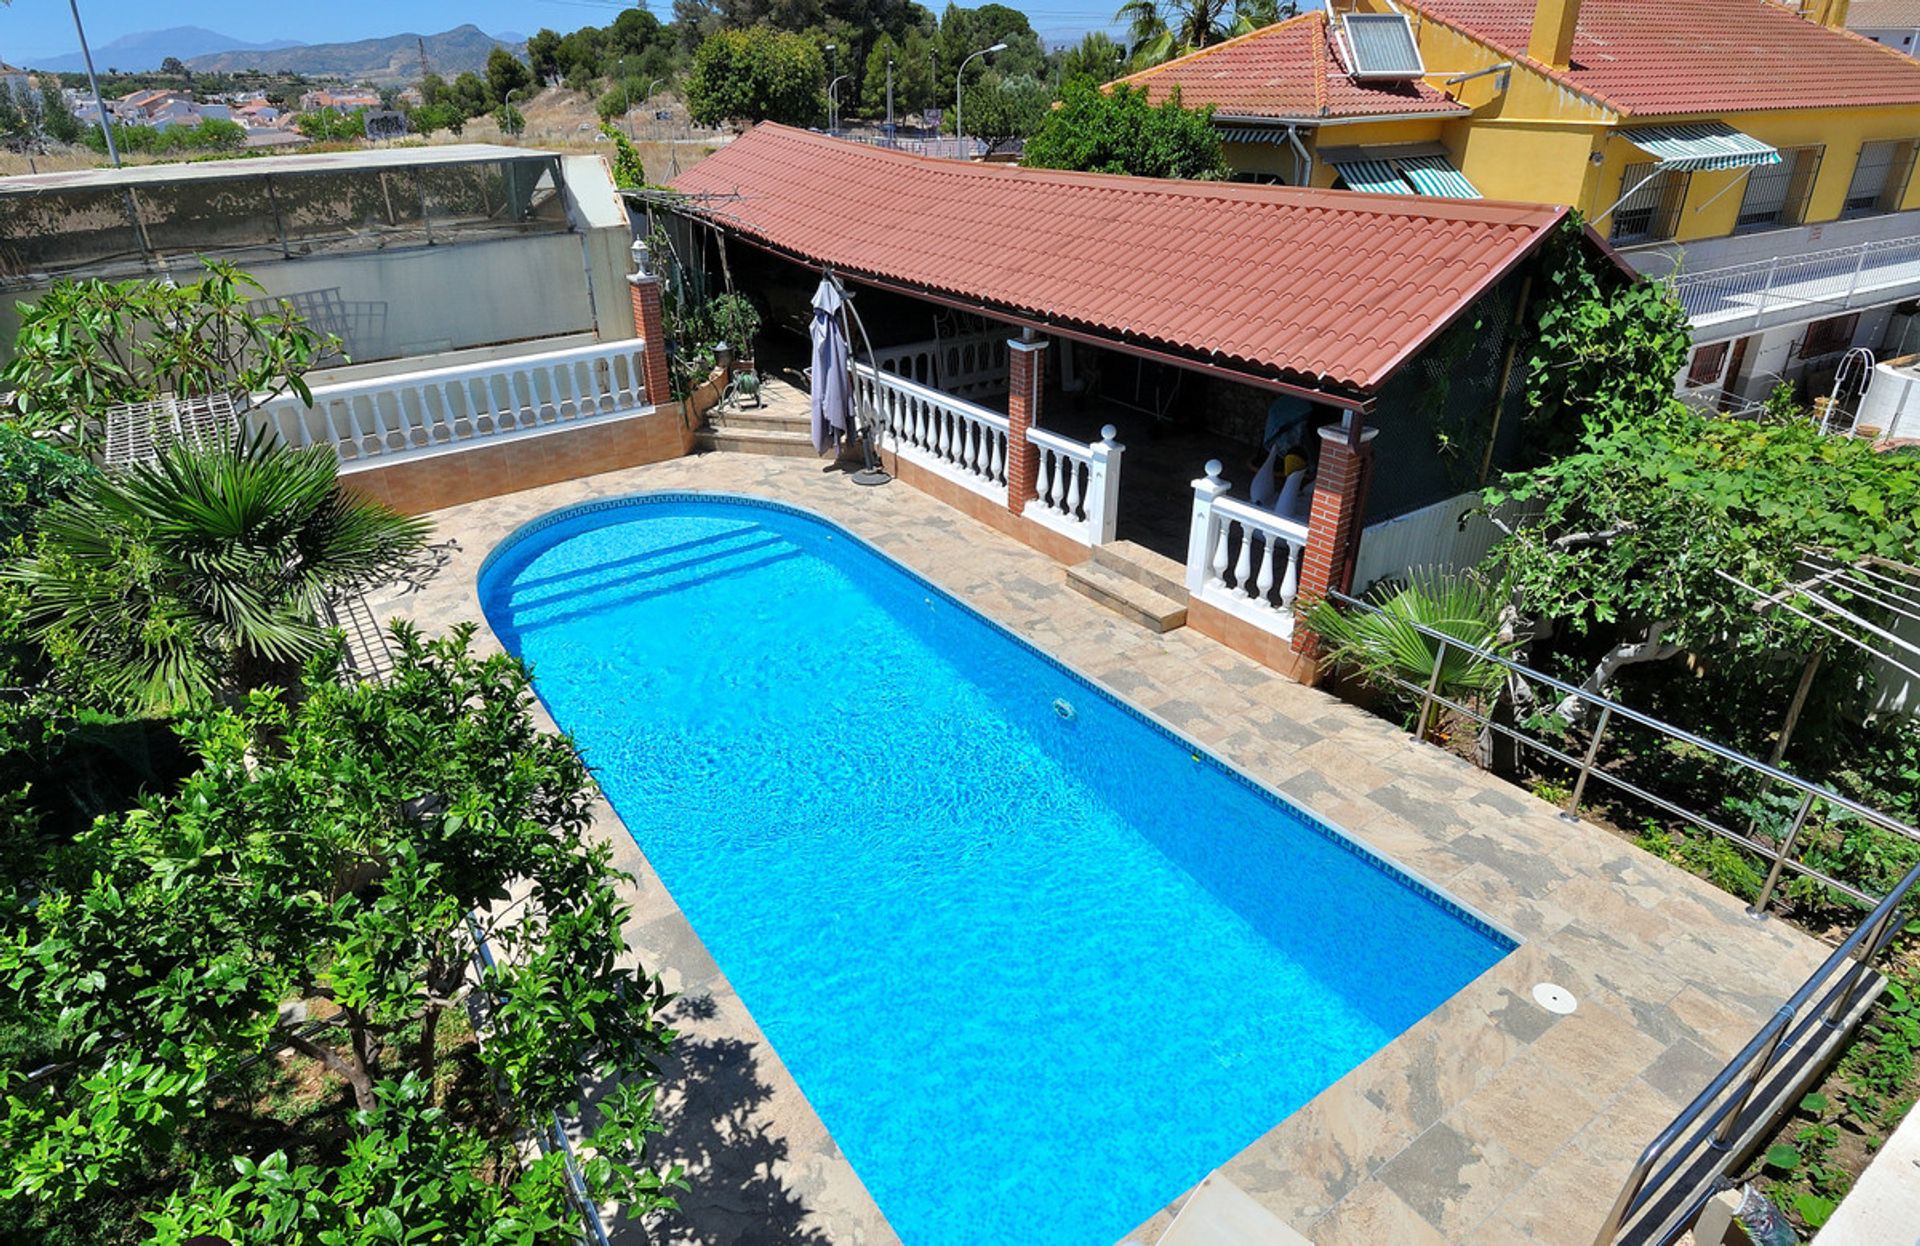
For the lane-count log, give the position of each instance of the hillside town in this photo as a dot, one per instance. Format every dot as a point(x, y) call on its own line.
point(1214, 624)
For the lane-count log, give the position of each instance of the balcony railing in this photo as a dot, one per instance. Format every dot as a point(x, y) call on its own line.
point(1830, 281)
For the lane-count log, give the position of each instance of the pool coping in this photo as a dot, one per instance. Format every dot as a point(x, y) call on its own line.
point(1395, 871)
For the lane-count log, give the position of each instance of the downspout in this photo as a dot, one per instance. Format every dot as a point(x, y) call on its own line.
point(1300, 153)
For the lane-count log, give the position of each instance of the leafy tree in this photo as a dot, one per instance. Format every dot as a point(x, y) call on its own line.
point(174, 67)
point(510, 119)
point(629, 171)
point(1097, 59)
point(209, 134)
point(756, 75)
point(966, 31)
point(204, 573)
point(1000, 109)
point(344, 855)
point(469, 94)
point(56, 118)
point(19, 119)
point(89, 344)
point(1636, 525)
point(506, 74)
point(1117, 131)
point(543, 50)
point(332, 124)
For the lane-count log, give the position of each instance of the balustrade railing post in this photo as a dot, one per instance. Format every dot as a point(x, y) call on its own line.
point(1572, 812)
point(1859, 258)
point(1781, 855)
point(1103, 487)
point(1766, 289)
point(1869, 948)
point(1433, 690)
point(1200, 536)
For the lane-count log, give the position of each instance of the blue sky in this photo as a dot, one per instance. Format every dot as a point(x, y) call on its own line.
point(31, 28)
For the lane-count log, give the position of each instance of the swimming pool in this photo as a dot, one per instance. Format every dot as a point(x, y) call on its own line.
point(1038, 963)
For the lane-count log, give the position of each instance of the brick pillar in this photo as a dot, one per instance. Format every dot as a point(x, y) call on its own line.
point(1026, 380)
point(1333, 523)
point(649, 324)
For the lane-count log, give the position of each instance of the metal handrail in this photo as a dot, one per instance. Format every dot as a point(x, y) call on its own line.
point(1757, 1059)
point(1615, 710)
point(1715, 1118)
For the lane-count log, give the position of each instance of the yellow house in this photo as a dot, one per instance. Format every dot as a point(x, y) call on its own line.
point(1762, 158)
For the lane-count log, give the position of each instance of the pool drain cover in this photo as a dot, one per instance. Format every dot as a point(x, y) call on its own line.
point(1064, 708)
point(1556, 999)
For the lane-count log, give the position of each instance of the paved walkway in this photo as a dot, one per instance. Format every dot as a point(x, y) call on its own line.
point(1492, 1120)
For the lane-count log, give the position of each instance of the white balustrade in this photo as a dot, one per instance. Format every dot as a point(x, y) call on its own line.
point(947, 435)
point(968, 366)
point(411, 413)
point(1242, 558)
point(1077, 488)
point(1834, 279)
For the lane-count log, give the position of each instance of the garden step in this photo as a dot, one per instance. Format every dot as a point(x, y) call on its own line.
point(1148, 607)
point(749, 420)
point(1141, 565)
point(756, 441)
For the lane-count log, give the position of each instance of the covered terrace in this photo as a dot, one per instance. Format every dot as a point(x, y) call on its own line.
point(1013, 315)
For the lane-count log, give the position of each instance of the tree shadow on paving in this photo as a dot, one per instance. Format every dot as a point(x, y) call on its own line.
point(714, 1093)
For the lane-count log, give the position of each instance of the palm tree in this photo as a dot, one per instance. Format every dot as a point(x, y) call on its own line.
point(204, 574)
point(1159, 30)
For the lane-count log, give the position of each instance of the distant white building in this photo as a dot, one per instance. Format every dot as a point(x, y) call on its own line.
point(1890, 23)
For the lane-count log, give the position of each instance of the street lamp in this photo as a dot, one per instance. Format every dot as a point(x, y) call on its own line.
point(959, 132)
point(889, 100)
point(106, 123)
point(832, 64)
point(653, 124)
point(833, 103)
point(507, 114)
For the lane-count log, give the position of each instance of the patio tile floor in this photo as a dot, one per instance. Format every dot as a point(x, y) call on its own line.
point(1490, 1120)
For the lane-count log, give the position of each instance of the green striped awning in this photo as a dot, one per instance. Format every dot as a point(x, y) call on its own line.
point(1375, 177)
point(1701, 146)
point(1432, 175)
point(1406, 175)
point(1272, 134)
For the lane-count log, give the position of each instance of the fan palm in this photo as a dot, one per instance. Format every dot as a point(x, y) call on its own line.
point(1387, 647)
point(205, 573)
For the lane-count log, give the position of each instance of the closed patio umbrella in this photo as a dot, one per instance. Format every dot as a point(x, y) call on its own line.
point(831, 404)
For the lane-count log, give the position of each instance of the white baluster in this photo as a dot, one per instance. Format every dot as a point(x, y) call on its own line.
point(1219, 579)
point(1073, 488)
point(1264, 585)
point(1290, 582)
point(1057, 492)
point(1241, 569)
point(998, 475)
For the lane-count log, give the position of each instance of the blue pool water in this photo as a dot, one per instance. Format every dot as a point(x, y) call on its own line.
point(1038, 972)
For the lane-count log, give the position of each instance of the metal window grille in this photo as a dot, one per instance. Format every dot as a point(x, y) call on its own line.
point(1880, 177)
point(1652, 211)
point(1708, 363)
point(1777, 194)
point(1829, 337)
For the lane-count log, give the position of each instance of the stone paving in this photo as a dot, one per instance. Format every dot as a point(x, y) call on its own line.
point(1492, 1120)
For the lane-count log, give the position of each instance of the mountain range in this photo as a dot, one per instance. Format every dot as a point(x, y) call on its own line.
point(385, 62)
point(141, 52)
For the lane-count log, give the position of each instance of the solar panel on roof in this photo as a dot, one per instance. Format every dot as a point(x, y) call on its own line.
point(1381, 46)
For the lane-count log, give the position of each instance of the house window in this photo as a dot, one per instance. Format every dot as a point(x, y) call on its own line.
point(1880, 177)
point(1652, 210)
point(1829, 337)
point(1708, 363)
point(1777, 194)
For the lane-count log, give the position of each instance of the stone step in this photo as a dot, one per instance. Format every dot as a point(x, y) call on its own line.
point(756, 441)
point(1143, 566)
point(750, 420)
point(1127, 597)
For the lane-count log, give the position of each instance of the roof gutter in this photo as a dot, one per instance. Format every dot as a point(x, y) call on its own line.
point(1314, 123)
point(1356, 401)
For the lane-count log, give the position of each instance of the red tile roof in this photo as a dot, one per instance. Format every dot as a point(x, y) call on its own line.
point(1883, 15)
point(1288, 71)
point(1319, 287)
point(1652, 58)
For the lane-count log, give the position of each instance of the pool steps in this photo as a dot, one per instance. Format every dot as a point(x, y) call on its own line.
point(1135, 583)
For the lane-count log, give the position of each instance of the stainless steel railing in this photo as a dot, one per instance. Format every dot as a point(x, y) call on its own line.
point(1674, 1175)
point(1587, 767)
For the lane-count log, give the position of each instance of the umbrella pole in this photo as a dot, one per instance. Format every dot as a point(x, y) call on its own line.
point(871, 473)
